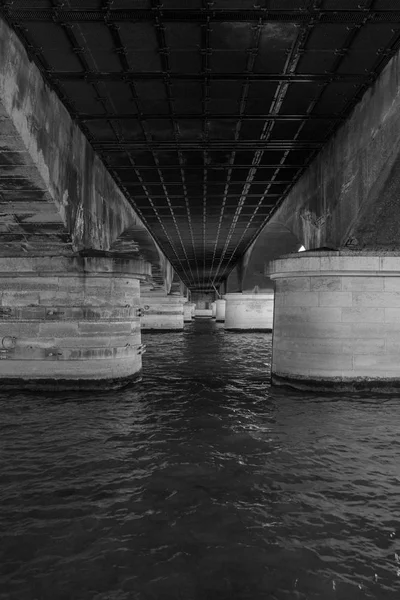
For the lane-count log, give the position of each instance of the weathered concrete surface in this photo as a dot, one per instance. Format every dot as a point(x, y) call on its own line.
point(203, 299)
point(337, 320)
point(188, 312)
point(220, 310)
point(250, 273)
point(55, 193)
point(249, 312)
point(161, 312)
point(203, 313)
point(213, 310)
point(349, 194)
point(69, 323)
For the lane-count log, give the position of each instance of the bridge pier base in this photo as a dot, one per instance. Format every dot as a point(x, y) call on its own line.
point(337, 321)
point(220, 310)
point(162, 313)
point(188, 312)
point(249, 312)
point(69, 323)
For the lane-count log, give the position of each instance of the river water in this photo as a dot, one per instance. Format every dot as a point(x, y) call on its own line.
point(200, 483)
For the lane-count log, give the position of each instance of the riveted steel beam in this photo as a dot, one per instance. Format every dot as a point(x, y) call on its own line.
point(94, 76)
point(210, 116)
point(64, 15)
point(210, 146)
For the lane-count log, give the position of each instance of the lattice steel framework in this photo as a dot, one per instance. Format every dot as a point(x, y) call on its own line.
point(207, 113)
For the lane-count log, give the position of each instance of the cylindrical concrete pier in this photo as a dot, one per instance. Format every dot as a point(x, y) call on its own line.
point(220, 310)
point(213, 310)
point(337, 321)
point(188, 312)
point(249, 312)
point(69, 323)
point(162, 313)
point(203, 313)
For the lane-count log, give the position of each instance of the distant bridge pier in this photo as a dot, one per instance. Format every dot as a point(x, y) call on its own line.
point(69, 323)
point(249, 312)
point(162, 312)
point(337, 320)
point(220, 310)
point(188, 312)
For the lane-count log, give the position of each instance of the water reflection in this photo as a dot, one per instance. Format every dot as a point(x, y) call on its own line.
point(200, 483)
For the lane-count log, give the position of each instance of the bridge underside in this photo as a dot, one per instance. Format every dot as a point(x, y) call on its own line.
point(206, 117)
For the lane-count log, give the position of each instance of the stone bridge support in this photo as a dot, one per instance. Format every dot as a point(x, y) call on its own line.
point(161, 312)
point(72, 249)
point(188, 312)
point(220, 305)
point(69, 323)
point(249, 301)
point(337, 321)
point(249, 312)
point(337, 306)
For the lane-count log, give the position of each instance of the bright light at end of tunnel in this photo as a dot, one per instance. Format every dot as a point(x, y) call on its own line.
point(301, 249)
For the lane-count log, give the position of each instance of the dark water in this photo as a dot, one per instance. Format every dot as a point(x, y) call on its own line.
point(200, 483)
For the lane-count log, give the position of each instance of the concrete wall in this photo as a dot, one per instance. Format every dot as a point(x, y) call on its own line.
point(47, 158)
point(350, 191)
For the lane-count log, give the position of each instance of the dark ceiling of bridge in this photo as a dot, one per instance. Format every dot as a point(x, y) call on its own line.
point(206, 113)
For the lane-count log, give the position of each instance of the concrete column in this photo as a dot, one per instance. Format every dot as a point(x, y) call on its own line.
point(220, 310)
point(69, 323)
point(213, 310)
point(203, 313)
point(188, 312)
point(249, 312)
point(337, 320)
point(162, 313)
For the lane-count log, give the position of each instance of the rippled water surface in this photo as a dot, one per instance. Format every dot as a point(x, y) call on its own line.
point(201, 482)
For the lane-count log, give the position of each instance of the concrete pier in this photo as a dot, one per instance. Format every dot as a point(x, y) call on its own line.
point(69, 323)
point(188, 312)
point(213, 310)
point(203, 313)
point(249, 312)
point(220, 310)
point(337, 320)
point(161, 312)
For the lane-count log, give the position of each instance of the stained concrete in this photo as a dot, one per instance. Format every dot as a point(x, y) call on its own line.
point(69, 241)
point(203, 313)
point(69, 323)
point(337, 320)
point(220, 310)
point(348, 195)
point(249, 312)
point(161, 312)
point(188, 312)
point(70, 202)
